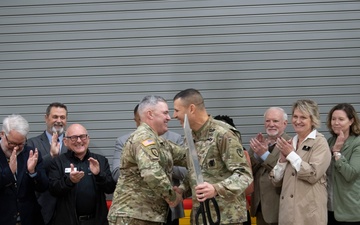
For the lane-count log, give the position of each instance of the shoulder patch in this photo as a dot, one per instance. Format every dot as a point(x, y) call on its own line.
point(151, 152)
point(155, 152)
point(148, 142)
point(240, 152)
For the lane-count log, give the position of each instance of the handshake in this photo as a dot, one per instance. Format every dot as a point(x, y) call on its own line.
point(178, 199)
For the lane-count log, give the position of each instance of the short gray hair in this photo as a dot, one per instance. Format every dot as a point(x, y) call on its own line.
point(149, 101)
point(16, 123)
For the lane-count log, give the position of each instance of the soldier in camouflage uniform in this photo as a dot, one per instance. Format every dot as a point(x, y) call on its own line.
point(223, 164)
point(144, 192)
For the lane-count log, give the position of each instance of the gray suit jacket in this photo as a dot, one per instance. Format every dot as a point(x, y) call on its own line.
point(45, 199)
point(178, 175)
point(265, 193)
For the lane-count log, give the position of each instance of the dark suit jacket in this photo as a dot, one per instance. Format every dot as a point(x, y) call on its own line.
point(45, 199)
point(18, 195)
point(265, 193)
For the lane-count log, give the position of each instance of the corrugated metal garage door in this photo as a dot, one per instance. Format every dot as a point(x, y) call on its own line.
point(101, 57)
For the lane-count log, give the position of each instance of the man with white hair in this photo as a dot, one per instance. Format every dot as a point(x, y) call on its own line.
point(21, 174)
point(264, 155)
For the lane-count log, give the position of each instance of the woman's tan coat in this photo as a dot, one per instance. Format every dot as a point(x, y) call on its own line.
point(303, 198)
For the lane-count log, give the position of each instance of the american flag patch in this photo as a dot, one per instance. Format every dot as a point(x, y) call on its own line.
point(148, 142)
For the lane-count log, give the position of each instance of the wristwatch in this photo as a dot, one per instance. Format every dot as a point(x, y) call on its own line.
point(337, 154)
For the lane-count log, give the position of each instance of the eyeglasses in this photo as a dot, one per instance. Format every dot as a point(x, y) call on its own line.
point(12, 144)
point(74, 138)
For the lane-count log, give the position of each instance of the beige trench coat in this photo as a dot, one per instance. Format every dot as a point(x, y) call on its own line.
point(303, 199)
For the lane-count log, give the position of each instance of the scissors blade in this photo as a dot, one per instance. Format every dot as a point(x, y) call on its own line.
point(192, 151)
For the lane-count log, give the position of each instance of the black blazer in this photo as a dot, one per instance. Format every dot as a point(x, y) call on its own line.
point(18, 195)
point(45, 199)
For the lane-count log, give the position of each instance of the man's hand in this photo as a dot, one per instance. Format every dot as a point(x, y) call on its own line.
point(13, 161)
point(204, 191)
point(177, 200)
point(178, 190)
point(32, 160)
point(259, 145)
point(75, 176)
point(55, 145)
point(94, 166)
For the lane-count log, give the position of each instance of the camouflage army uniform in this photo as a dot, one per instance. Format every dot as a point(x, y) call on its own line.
point(145, 177)
point(224, 165)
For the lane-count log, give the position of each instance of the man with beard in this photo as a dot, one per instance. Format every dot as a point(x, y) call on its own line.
point(264, 155)
point(49, 144)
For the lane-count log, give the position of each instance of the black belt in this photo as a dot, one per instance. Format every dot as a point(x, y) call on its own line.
point(86, 217)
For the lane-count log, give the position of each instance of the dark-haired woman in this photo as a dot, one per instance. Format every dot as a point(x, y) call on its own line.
point(344, 171)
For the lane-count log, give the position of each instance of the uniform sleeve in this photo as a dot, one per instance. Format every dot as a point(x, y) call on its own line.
point(179, 154)
point(185, 185)
point(232, 155)
point(249, 190)
point(147, 156)
point(318, 163)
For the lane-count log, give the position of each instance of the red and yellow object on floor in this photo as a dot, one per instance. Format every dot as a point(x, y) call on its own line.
point(187, 210)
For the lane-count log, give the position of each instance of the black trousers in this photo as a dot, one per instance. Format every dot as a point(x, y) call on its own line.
point(171, 222)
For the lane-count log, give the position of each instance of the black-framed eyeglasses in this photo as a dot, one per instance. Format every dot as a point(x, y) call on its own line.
point(13, 145)
point(74, 138)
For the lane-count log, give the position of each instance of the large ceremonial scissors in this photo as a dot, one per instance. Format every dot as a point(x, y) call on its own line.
point(204, 209)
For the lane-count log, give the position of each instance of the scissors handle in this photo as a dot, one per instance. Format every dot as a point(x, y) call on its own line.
point(200, 212)
point(204, 211)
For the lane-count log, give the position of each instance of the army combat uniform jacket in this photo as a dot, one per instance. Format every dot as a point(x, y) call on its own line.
point(224, 165)
point(145, 177)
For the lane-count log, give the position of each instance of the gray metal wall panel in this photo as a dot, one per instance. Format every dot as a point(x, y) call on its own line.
point(102, 57)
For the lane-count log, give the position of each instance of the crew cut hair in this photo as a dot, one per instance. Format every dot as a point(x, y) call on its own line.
point(190, 96)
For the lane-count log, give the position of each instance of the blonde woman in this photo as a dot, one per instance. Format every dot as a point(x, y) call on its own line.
point(301, 169)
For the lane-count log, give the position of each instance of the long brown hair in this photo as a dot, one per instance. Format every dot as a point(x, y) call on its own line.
point(350, 113)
